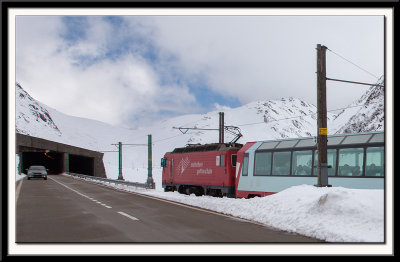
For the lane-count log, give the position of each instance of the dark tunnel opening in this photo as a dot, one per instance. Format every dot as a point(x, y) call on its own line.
point(53, 161)
point(81, 165)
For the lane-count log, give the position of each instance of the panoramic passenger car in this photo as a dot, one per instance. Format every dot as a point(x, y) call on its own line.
point(267, 167)
point(262, 168)
point(37, 172)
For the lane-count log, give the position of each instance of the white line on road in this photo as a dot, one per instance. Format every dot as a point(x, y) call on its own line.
point(79, 193)
point(105, 205)
point(129, 216)
point(18, 189)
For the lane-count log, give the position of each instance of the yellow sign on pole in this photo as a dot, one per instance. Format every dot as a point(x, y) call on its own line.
point(323, 131)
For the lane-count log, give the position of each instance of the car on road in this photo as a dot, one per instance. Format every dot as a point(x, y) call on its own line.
point(37, 172)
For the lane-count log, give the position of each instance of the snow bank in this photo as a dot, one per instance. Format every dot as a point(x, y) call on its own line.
point(17, 175)
point(332, 214)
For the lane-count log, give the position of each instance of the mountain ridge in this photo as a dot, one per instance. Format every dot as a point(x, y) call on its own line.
point(258, 120)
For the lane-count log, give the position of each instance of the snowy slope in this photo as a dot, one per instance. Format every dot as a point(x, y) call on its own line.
point(36, 119)
point(365, 114)
point(31, 117)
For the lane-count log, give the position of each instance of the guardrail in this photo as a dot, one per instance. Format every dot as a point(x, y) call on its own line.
point(121, 182)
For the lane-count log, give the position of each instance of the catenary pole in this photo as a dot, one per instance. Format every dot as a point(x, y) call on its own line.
point(120, 177)
point(322, 140)
point(150, 181)
point(221, 127)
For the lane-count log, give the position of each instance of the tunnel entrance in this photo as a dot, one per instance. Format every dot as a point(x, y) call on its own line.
point(53, 161)
point(81, 165)
point(57, 157)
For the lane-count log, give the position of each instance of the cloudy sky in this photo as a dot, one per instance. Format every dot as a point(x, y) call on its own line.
point(130, 70)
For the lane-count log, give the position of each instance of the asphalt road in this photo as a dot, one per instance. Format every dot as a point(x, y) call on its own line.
point(67, 210)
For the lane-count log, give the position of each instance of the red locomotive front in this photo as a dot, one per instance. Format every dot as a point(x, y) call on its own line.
point(201, 169)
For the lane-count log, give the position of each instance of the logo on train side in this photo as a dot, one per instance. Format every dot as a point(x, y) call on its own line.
point(183, 164)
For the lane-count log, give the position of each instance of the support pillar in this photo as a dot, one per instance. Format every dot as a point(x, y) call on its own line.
point(150, 181)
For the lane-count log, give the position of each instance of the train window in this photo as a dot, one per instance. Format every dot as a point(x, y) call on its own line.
point(287, 144)
point(335, 140)
point(375, 161)
point(268, 145)
point(355, 139)
point(331, 162)
point(245, 165)
point(233, 160)
point(351, 161)
point(281, 163)
point(302, 163)
point(164, 162)
point(220, 160)
point(262, 164)
point(306, 143)
point(377, 138)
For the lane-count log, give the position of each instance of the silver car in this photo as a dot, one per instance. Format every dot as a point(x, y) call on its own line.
point(37, 172)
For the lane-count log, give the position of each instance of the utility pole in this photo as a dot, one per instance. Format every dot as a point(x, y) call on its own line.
point(322, 118)
point(221, 127)
point(120, 177)
point(150, 181)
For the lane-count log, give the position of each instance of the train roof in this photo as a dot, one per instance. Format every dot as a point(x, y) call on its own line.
point(207, 147)
point(340, 139)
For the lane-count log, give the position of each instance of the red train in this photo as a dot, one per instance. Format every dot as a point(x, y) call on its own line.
point(265, 167)
point(201, 169)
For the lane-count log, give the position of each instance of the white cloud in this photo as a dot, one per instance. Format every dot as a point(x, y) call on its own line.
point(249, 58)
point(261, 57)
point(105, 89)
point(94, 41)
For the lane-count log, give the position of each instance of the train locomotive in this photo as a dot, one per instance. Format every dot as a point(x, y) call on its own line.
point(266, 167)
point(201, 169)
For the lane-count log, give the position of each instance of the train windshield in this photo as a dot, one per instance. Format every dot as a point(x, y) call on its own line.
point(233, 160)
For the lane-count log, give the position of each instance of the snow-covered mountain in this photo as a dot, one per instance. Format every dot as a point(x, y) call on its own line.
point(31, 116)
point(365, 114)
point(36, 119)
point(260, 120)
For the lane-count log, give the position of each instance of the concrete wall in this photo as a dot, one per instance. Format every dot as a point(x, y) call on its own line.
point(25, 143)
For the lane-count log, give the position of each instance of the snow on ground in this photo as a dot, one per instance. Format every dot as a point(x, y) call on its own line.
point(17, 175)
point(332, 214)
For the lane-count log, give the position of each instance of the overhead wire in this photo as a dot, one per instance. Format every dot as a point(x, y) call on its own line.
point(275, 120)
point(353, 82)
point(167, 138)
point(287, 118)
point(255, 123)
point(366, 71)
point(281, 119)
point(263, 122)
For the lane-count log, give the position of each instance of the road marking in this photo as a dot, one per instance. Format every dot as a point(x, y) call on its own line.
point(104, 205)
point(128, 216)
point(79, 193)
point(178, 204)
point(19, 184)
point(195, 208)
